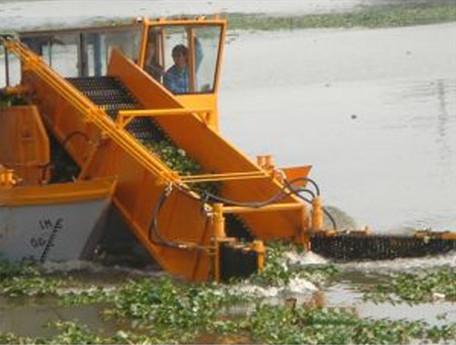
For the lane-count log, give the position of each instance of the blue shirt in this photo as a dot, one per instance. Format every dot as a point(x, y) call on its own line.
point(176, 79)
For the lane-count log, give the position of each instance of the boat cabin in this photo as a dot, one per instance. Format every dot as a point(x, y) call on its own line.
point(192, 74)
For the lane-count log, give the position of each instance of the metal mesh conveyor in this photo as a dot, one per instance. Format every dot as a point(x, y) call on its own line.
point(345, 247)
point(111, 95)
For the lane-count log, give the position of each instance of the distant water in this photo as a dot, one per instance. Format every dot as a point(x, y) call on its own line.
point(374, 112)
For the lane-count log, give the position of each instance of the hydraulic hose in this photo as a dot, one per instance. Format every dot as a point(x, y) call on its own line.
point(297, 192)
point(154, 234)
point(206, 196)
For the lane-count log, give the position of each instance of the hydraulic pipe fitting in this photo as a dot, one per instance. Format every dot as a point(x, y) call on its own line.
point(317, 214)
point(259, 247)
point(218, 221)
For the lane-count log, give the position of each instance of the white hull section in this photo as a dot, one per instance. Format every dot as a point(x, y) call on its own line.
point(50, 232)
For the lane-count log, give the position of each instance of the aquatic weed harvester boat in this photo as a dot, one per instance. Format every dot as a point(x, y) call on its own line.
point(96, 118)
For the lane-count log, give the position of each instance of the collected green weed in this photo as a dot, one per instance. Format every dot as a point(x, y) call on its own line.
point(178, 160)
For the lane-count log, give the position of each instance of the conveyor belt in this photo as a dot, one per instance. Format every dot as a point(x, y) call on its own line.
point(111, 95)
point(345, 247)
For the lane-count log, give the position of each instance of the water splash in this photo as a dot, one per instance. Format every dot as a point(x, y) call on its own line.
point(304, 258)
point(401, 264)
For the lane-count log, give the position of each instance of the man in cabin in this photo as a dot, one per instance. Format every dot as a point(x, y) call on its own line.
point(177, 77)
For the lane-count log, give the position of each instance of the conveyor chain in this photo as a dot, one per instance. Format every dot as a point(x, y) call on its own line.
point(346, 247)
point(111, 95)
point(107, 92)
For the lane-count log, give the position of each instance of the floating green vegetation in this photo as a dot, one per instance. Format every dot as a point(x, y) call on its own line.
point(404, 14)
point(69, 332)
point(177, 312)
point(415, 287)
point(265, 324)
point(25, 280)
point(91, 295)
point(301, 325)
point(167, 311)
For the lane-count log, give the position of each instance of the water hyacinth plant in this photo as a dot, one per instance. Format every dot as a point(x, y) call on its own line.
point(25, 279)
point(418, 287)
point(167, 311)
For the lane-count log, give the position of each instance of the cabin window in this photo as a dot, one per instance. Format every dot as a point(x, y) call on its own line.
point(63, 57)
point(84, 53)
point(209, 38)
point(10, 69)
point(183, 58)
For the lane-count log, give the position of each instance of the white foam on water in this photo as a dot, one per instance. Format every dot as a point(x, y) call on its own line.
point(69, 266)
point(402, 264)
point(300, 286)
point(296, 286)
point(256, 290)
point(304, 258)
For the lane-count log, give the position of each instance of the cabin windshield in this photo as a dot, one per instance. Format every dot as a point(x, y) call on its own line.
point(74, 53)
point(183, 58)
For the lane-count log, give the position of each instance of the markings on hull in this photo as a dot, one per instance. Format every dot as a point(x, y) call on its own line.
point(58, 225)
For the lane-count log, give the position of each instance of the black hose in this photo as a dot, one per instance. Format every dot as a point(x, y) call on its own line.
point(207, 196)
point(154, 229)
point(304, 179)
point(289, 185)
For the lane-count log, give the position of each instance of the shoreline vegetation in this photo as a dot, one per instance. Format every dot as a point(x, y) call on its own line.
point(379, 16)
point(374, 16)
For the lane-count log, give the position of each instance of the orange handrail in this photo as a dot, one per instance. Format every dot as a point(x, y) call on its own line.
point(92, 113)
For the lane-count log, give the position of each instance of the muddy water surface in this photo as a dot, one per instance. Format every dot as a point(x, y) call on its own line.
point(374, 112)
